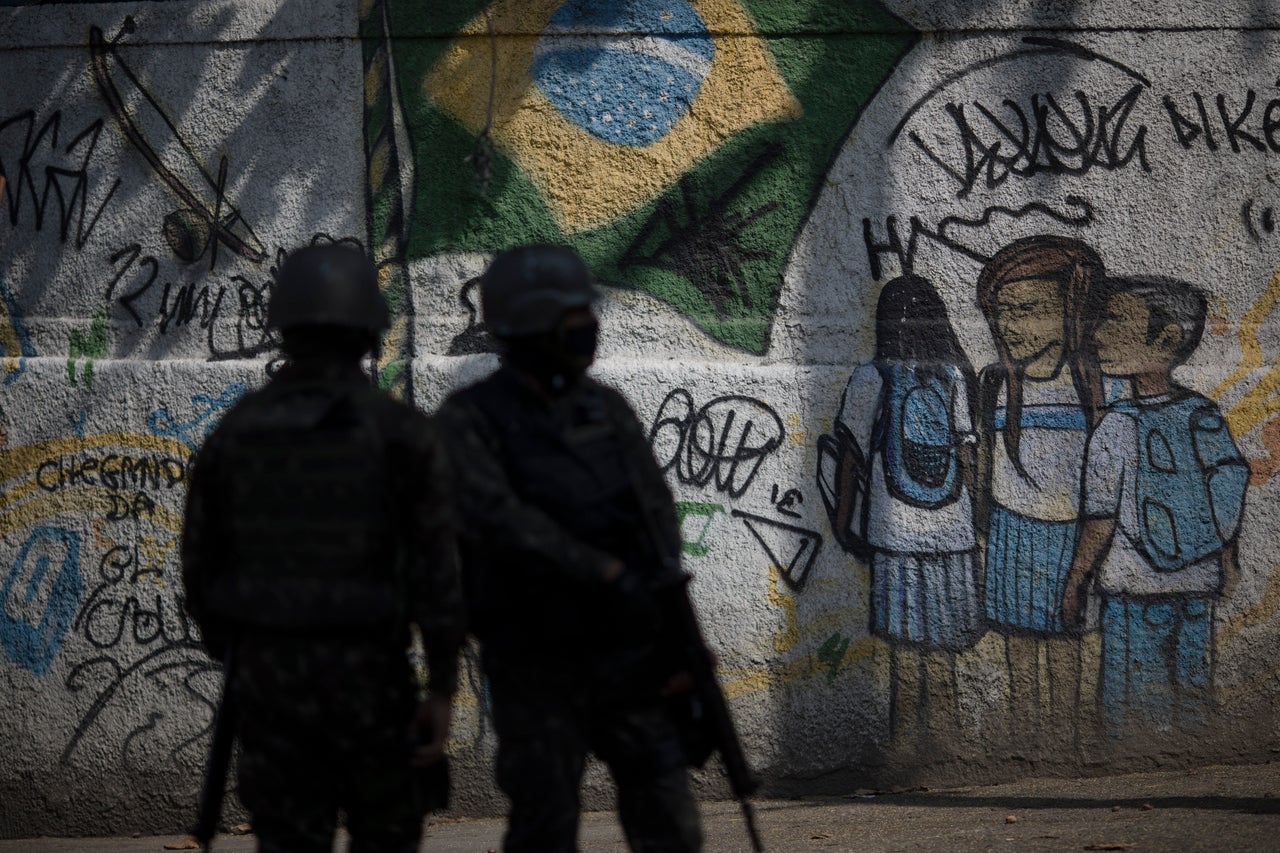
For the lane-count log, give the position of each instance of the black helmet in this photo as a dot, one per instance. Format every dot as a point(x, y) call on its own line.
point(526, 290)
point(329, 285)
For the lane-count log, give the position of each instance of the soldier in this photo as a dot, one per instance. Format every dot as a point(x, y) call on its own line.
point(318, 530)
point(568, 533)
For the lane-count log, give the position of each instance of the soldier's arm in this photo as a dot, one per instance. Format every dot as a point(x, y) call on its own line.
point(654, 494)
point(199, 543)
point(435, 587)
point(492, 512)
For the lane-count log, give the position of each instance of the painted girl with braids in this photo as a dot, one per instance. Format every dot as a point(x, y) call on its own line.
point(1037, 404)
point(900, 498)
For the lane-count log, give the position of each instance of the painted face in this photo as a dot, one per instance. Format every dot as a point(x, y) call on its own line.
point(1121, 338)
point(1029, 317)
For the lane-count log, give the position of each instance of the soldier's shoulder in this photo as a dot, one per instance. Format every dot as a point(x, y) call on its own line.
point(234, 418)
point(614, 400)
point(472, 395)
point(402, 422)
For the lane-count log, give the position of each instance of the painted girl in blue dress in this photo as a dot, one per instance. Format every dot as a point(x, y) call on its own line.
point(1037, 404)
point(903, 500)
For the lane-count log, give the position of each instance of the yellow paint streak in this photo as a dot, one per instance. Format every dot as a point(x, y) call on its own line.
point(586, 180)
point(10, 345)
point(373, 77)
point(155, 551)
point(86, 499)
point(1255, 614)
point(791, 671)
point(789, 635)
point(1259, 403)
point(378, 166)
point(786, 639)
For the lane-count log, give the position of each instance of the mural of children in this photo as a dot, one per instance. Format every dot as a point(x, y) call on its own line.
point(900, 498)
point(1163, 471)
point(1036, 406)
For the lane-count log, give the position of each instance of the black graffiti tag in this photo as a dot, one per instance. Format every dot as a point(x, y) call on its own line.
point(42, 171)
point(141, 635)
point(1048, 136)
point(725, 441)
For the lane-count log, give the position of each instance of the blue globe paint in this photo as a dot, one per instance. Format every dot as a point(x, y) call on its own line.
point(625, 71)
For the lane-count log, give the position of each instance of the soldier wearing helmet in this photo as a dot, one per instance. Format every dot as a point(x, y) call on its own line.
point(318, 530)
point(556, 491)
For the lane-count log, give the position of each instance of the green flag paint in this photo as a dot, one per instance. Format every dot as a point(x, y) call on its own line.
point(676, 146)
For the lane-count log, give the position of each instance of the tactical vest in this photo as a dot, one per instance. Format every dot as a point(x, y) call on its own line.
point(308, 516)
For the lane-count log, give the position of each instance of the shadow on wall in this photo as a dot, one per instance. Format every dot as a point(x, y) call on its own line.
point(119, 140)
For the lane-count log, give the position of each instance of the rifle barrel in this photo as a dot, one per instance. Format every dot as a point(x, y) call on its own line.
point(749, 815)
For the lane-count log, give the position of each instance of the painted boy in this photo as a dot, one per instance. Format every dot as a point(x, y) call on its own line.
point(1163, 492)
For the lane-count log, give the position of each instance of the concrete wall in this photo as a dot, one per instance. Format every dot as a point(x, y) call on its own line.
point(748, 175)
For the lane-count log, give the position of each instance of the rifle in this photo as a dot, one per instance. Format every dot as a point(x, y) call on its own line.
point(710, 712)
point(215, 774)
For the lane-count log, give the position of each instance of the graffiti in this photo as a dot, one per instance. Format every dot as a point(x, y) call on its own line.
point(40, 597)
point(1043, 137)
point(204, 304)
point(1077, 212)
point(1230, 130)
point(707, 247)
point(696, 547)
point(1108, 490)
point(894, 475)
point(778, 538)
point(724, 442)
point(1037, 47)
point(66, 183)
point(831, 654)
point(476, 338)
point(1164, 490)
point(695, 197)
point(790, 498)
point(1266, 221)
point(162, 423)
point(112, 471)
point(14, 340)
point(91, 347)
point(132, 610)
point(207, 219)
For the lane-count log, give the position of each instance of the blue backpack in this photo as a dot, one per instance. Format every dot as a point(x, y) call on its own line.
point(1191, 481)
point(915, 435)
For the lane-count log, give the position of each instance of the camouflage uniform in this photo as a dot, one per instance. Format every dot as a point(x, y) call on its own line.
point(552, 490)
point(318, 527)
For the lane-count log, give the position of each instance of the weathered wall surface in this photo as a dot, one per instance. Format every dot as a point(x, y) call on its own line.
point(749, 176)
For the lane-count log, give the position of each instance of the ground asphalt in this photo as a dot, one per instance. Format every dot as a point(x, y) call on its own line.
point(1233, 808)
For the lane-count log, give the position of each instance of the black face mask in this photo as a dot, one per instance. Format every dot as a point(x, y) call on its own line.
point(556, 359)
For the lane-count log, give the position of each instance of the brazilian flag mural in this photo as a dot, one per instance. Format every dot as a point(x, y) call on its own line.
point(679, 145)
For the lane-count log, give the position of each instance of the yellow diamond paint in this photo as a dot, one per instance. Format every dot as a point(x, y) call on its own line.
point(588, 181)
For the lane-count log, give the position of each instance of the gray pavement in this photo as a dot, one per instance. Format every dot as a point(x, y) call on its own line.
point(1210, 809)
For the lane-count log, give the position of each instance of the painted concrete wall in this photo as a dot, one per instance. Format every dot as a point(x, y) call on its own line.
point(749, 176)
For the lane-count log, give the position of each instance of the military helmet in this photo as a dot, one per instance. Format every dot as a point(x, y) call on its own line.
point(526, 290)
point(329, 285)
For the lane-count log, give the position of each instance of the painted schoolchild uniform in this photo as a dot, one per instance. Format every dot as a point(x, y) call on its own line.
point(1034, 519)
point(1157, 622)
point(923, 581)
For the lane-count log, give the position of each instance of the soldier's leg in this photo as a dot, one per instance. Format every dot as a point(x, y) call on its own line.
point(289, 811)
point(287, 779)
point(383, 815)
point(643, 750)
point(541, 754)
